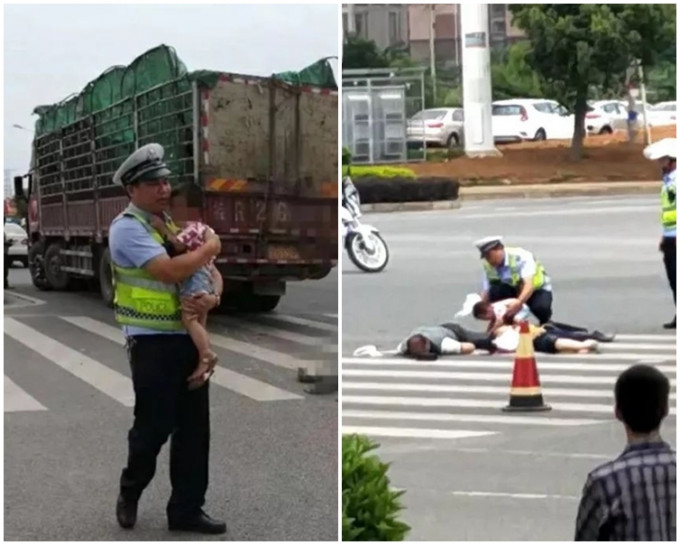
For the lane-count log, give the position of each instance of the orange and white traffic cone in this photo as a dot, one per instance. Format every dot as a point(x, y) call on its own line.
point(525, 392)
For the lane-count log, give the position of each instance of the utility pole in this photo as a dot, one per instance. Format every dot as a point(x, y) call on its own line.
point(433, 69)
point(474, 21)
point(643, 90)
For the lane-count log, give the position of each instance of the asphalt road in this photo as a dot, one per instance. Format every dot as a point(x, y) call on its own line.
point(472, 472)
point(273, 472)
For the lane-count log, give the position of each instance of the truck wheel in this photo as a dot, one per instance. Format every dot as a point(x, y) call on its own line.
point(106, 279)
point(36, 266)
point(58, 279)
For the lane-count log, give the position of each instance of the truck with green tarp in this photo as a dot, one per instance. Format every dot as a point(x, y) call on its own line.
point(256, 158)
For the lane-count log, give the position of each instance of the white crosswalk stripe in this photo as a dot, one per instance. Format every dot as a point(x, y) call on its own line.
point(66, 352)
point(459, 397)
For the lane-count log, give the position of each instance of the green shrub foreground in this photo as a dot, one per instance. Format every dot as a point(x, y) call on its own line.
point(369, 507)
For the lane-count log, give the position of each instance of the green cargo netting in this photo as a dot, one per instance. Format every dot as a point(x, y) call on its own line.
point(319, 74)
point(153, 68)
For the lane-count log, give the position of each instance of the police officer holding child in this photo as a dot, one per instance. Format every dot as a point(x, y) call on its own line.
point(162, 355)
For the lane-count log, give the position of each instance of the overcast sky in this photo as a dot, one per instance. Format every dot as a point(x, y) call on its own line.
point(53, 51)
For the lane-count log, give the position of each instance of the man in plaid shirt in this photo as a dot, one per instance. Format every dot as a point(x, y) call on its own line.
point(632, 498)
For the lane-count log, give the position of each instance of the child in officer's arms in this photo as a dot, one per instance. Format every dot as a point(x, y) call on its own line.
point(207, 280)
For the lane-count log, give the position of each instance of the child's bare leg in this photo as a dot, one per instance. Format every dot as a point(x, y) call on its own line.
point(194, 325)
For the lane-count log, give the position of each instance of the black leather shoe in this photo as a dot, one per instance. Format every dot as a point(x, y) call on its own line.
point(602, 337)
point(126, 512)
point(670, 325)
point(201, 524)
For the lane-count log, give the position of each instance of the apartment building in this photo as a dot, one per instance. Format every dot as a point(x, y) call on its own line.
point(447, 34)
point(385, 24)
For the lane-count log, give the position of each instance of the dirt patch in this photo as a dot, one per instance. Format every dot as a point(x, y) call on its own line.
point(606, 158)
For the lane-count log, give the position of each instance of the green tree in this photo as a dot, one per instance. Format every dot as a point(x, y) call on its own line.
point(576, 47)
point(359, 53)
point(511, 74)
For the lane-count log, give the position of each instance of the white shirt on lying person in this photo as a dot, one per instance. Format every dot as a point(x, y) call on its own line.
point(501, 307)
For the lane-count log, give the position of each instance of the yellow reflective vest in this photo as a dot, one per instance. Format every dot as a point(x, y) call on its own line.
point(515, 276)
point(139, 299)
point(668, 205)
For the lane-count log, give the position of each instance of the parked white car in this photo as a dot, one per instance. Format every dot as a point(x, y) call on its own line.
point(438, 126)
point(516, 120)
point(18, 251)
point(605, 117)
point(663, 113)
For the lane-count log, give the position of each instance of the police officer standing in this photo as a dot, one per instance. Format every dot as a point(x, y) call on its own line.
point(162, 355)
point(665, 152)
point(514, 273)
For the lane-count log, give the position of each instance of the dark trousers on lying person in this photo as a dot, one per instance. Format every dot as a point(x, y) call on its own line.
point(540, 302)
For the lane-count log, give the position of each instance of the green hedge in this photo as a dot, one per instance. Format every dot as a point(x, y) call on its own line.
point(377, 190)
point(369, 507)
point(378, 171)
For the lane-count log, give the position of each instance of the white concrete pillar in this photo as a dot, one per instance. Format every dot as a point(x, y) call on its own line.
point(474, 23)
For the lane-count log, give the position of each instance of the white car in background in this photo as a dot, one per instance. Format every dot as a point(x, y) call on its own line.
point(18, 251)
point(663, 113)
point(516, 120)
point(605, 117)
point(437, 126)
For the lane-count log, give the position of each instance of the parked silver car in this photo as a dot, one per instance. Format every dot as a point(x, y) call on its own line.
point(437, 126)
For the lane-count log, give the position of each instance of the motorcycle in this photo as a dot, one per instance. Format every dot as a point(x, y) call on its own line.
point(364, 245)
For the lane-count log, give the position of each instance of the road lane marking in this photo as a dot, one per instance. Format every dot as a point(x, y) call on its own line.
point(116, 385)
point(323, 326)
point(17, 400)
point(493, 364)
point(261, 329)
point(414, 432)
point(487, 377)
point(400, 387)
point(645, 337)
point(513, 419)
point(514, 495)
point(226, 378)
point(470, 403)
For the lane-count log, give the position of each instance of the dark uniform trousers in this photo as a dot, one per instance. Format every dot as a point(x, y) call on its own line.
point(540, 302)
point(669, 249)
point(164, 407)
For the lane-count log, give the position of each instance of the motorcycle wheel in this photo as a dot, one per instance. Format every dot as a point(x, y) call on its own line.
point(361, 258)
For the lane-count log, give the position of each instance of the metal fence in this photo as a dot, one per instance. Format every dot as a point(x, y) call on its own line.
point(376, 106)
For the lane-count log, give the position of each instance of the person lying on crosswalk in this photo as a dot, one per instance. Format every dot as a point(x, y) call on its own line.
point(494, 314)
point(428, 342)
point(207, 280)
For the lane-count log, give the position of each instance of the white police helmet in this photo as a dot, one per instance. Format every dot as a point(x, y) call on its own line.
point(144, 164)
point(668, 147)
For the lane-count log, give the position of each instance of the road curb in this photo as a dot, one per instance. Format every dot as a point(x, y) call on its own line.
point(534, 191)
point(409, 206)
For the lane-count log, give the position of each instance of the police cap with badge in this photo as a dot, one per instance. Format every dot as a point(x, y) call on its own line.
point(488, 243)
point(145, 164)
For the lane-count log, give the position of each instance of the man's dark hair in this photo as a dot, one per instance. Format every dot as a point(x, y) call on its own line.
point(420, 348)
point(480, 309)
point(641, 394)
